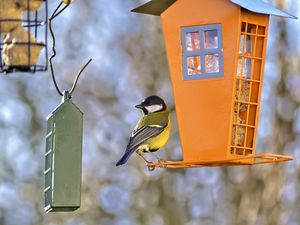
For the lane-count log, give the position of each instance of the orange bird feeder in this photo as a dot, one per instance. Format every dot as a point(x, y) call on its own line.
point(216, 53)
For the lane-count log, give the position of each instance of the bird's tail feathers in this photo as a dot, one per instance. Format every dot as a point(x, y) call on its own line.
point(125, 157)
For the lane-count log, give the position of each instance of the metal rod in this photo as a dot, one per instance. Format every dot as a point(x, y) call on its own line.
point(46, 33)
point(55, 13)
point(78, 75)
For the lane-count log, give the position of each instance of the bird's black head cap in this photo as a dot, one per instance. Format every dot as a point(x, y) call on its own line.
point(151, 101)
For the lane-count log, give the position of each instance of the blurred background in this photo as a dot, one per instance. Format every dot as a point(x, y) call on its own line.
point(129, 63)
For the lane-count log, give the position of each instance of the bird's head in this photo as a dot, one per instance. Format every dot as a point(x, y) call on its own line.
point(152, 104)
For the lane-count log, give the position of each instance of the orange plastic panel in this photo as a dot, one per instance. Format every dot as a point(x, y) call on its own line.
point(203, 107)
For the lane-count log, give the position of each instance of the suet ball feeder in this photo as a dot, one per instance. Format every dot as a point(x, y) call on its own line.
point(23, 34)
point(63, 157)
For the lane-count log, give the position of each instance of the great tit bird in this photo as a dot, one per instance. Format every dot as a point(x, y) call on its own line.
point(152, 130)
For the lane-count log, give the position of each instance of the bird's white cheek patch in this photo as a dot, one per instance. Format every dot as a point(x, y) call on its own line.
point(154, 108)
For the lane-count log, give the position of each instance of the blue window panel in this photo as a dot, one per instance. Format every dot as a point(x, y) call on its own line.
point(202, 52)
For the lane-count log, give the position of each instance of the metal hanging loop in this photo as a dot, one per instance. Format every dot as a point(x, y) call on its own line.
point(78, 75)
point(56, 12)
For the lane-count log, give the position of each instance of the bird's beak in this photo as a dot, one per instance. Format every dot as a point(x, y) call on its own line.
point(139, 106)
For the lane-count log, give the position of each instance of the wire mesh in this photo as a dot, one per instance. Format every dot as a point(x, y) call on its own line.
point(248, 87)
point(23, 36)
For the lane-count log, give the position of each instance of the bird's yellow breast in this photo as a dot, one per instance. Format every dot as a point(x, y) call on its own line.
point(160, 140)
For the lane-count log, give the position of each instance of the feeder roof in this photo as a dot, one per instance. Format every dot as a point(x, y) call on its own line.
point(66, 103)
point(157, 7)
point(258, 6)
point(154, 7)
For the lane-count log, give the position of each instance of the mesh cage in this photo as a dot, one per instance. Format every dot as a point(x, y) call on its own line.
point(247, 89)
point(23, 36)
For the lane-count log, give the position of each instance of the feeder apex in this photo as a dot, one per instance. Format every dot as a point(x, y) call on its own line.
point(66, 96)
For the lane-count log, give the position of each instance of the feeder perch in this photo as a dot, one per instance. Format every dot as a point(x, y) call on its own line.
point(216, 52)
point(23, 35)
point(63, 157)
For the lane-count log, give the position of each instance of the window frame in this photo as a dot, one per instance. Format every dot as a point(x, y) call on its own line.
point(202, 52)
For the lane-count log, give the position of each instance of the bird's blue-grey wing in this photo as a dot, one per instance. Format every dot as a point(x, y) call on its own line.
point(137, 139)
point(142, 135)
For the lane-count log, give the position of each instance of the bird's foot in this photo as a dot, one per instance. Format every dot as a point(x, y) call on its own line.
point(161, 162)
point(141, 155)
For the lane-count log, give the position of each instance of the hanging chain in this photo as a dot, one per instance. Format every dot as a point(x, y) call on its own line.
point(53, 16)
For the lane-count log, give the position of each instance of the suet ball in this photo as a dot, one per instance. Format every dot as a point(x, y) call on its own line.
point(32, 6)
point(9, 11)
point(18, 47)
